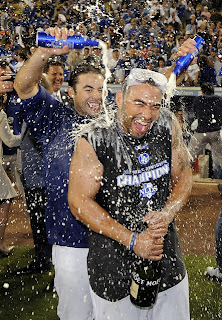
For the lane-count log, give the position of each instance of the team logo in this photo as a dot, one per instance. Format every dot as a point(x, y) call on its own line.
point(148, 190)
point(144, 158)
point(145, 146)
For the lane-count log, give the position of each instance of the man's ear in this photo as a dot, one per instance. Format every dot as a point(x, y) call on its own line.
point(71, 92)
point(119, 99)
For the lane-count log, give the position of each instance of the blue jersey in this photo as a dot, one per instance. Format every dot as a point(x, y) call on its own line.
point(55, 127)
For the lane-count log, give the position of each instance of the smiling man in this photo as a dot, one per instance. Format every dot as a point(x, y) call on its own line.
point(120, 178)
point(54, 69)
point(54, 125)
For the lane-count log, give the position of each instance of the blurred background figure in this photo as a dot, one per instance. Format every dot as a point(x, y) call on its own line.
point(55, 71)
point(7, 191)
point(208, 113)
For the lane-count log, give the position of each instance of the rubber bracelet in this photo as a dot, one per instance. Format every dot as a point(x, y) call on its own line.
point(132, 241)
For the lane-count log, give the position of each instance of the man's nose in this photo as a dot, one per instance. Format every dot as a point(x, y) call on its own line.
point(147, 112)
point(96, 94)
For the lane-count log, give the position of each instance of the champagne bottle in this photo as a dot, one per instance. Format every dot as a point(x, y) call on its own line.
point(184, 61)
point(74, 42)
point(145, 284)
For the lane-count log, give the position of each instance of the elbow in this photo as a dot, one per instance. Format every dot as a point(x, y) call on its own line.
point(17, 86)
point(188, 181)
point(74, 206)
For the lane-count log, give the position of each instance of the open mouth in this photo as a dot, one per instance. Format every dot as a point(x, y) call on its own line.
point(94, 106)
point(141, 125)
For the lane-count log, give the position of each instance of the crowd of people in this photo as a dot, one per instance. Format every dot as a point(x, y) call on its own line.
point(144, 34)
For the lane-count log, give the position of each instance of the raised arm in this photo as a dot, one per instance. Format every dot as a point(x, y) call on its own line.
point(187, 47)
point(181, 173)
point(28, 77)
point(85, 179)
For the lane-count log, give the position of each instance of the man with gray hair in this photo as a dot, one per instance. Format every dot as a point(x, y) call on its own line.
point(119, 186)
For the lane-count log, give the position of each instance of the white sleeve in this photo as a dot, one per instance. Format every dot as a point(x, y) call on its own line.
point(6, 134)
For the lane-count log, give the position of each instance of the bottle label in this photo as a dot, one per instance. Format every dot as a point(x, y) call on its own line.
point(134, 289)
point(144, 282)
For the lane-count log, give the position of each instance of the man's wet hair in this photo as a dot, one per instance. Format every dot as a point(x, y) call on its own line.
point(84, 68)
point(207, 88)
point(53, 62)
point(125, 87)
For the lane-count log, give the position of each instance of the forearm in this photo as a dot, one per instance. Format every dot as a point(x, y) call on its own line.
point(97, 219)
point(28, 77)
point(179, 195)
point(168, 71)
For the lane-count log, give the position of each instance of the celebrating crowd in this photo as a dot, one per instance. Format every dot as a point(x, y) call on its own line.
point(144, 34)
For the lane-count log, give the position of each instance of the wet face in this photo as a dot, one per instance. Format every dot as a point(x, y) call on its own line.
point(56, 76)
point(88, 94)
point(139, 109)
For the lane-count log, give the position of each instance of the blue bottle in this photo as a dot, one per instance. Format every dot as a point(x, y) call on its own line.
point(74, 42)
point(183, 62)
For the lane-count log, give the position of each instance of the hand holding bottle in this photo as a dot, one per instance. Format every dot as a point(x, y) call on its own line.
point(59, 38)
point(187, 47)
point(158, 222)
point(58, 33)
point(148, 247)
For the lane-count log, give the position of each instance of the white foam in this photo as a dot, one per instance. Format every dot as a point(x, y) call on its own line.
point(169, 91)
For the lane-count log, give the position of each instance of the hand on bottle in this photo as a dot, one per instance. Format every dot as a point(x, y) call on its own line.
point(158, 222)
point(148, 247)
point(187, 47)
point(58, 33)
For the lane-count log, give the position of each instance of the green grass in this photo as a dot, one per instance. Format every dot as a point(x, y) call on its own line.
point(25, 297)
point(205, 294)
point(31, 297)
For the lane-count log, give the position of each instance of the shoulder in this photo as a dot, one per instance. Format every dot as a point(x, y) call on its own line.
point(98, 130)
point(97, 125)
point(165, 119)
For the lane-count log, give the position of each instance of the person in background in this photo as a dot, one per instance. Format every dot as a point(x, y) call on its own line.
point(213, 55)
point(117, 73)
point(74, 58)
point(22, 57)
point(9, 103)
point(7, 191)
point(208, 112)
point(192, 73)
point(55, 71)
point(218, 68)
point(207, 72)
point(161, 65)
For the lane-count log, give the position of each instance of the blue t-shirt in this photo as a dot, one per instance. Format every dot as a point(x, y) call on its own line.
point(55, 127)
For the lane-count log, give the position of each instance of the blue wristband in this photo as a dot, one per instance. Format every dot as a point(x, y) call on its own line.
point(133, 240)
